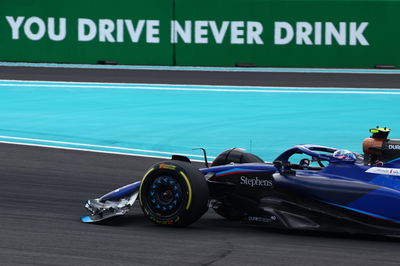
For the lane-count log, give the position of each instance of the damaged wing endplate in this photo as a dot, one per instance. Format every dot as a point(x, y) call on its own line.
point(115, 203)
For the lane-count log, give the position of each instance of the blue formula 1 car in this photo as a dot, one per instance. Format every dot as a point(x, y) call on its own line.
point(327, 189)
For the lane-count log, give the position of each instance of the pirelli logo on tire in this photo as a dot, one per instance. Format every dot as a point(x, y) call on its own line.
point(167, 166)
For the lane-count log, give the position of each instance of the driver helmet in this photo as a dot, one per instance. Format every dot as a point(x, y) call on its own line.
point(345, 155)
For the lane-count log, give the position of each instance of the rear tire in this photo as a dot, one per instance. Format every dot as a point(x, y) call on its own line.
point(173, 193)
point(236, 155)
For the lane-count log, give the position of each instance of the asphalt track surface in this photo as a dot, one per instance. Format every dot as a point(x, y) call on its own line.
point(43, 191)
point(204, 77)
point(42, 195)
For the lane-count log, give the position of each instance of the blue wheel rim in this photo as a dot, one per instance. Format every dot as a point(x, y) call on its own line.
point(165, 196)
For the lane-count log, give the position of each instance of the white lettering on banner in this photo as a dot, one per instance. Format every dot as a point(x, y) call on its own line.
point(303, 32)
point(356, 34)
point(135, 33)
point(200, 31)
point(62, 30)
point(339, 35)
point(106, 28)
point(152, 31)
point(254, 30)
point(192, 31)
point(35, 28)
point(83, 35)
point(15, 25)
point(40, 25)
point(120, 30)
point(342, 33)
point(110, 31)
point(219, 34)
point(184, 33)
point(240, 32)
point(237, 32)
point(281, 27)
point(317, 35)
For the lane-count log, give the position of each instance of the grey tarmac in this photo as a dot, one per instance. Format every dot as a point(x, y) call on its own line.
point(41, 201)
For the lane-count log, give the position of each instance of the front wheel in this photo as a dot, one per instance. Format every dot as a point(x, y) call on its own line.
point(173, 193)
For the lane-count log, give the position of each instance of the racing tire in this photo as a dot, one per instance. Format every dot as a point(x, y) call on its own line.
point(236, 155)
point(173, 193)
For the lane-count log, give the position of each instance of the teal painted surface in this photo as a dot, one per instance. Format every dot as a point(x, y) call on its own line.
point(173, 118)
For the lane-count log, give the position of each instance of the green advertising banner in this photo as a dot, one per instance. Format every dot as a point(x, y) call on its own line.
point(74, 31)
point(288, 33)
point(278, 33)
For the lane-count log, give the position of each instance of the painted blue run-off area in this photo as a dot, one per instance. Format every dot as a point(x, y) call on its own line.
point(163, 119)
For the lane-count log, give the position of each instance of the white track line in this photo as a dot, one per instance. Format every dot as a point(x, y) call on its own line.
point(134, 85)
point(196, 88)
point(98, 146)
point(88, 150)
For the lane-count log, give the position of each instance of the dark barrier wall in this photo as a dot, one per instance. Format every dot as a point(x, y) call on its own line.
point(296, 33)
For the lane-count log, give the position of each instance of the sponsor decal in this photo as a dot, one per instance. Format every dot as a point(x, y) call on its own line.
point(394, 146)
point(255, 182)
point(261, 219)
point(169, 221)
point(384, 171)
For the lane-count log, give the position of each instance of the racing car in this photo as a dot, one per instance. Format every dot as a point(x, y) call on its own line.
point(307, 187)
